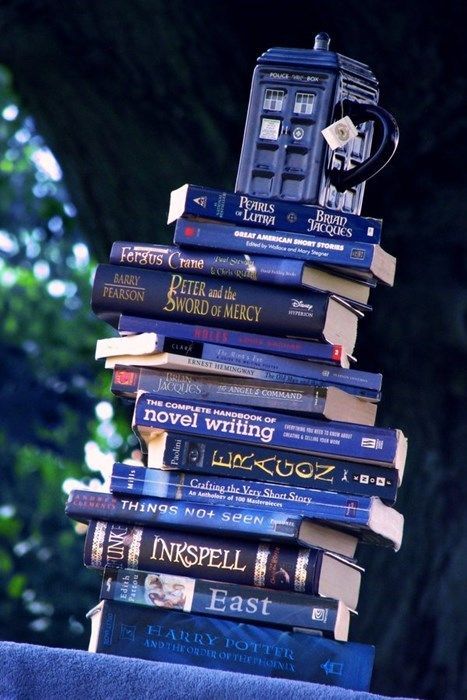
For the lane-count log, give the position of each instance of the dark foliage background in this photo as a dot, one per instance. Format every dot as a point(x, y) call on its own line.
point(133, 100)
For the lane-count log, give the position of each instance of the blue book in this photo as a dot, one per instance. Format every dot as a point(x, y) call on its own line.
point(329, 507)
point(360, 260)
point(225, 360)
point(203, 597)
point(383, 446)
point(274, 345)
point(213, 642)
point(248, 268)
point(84, 505)
point(326, 402)
point(241, 306)
point(223, 458)
point(276, 565)
point(240, 209)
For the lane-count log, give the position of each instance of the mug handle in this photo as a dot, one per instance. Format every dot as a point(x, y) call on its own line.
point(361, 112)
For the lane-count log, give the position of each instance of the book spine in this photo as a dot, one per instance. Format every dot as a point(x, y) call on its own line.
point(230, 559)
point(244, 210)
point(327, 506)
point(229, 600)
point(222, 458)
point(359, 443)
point(188, 298)
point(263, 269)
point(370, 381)
point(215, 643)
point(275, 244)
point(293, 347)
point(128, 380)
point(83, 505)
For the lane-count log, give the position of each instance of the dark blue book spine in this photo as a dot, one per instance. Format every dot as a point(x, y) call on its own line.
point(212, 642)
point(348, 255)
point(359, 443)
point(190, 298)
point(243, 210)
point(302, 369)
point(282, 608)
point(267, 270)
point(83, 505)
point(327, 506)
point(287, 347)
point(222, 458)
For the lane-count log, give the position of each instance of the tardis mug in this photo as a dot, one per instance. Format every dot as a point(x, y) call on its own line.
point(295, 94)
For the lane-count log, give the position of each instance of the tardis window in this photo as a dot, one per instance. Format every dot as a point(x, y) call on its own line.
point(273, 99)
point(303, 103)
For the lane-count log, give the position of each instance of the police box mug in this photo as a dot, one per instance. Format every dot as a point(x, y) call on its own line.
point(309, 128)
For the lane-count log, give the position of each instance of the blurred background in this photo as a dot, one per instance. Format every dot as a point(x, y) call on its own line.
point(104, 109)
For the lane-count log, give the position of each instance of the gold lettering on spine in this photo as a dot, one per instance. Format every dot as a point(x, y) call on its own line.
point(301, 570)
point(134, 549)
point(261, 563)
point(97, 550)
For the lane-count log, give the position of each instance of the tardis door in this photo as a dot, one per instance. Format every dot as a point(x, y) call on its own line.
point(284, 153)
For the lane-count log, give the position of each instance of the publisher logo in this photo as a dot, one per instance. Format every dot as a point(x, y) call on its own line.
point(357, 254)
point(201, 201)
point(319, 614)
point(127, 632)
point(189, 231)
point(370, 443)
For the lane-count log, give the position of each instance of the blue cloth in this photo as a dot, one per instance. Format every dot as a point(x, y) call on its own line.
point(30, 672)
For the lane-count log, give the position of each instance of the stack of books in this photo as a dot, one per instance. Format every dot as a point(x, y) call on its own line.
point(232, 545)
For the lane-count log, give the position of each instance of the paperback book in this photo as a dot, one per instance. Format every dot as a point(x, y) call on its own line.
point(172, 450)
point(84, 505)
point(206, 203)
point(274, 345)
point(358, 260)
point(320, 402)
point(222, 360)
point(384, 446)
point(257, 605)
point(212, 642)
point(238, 305)
point(380, 523)
point(261, 269)
point(263, 564)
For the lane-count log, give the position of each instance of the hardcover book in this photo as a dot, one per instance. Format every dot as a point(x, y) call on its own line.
point(317, 401)
point(263, 564)
point(248, 268)
point(222, 360)
point(239, 305)
point(380, 523)
point(84, 505)
point(212, 642)
point(384, 446)
point(281, 608)
point(274, 345)
point(356, 259)
point(207, 203)
point(172, 450)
